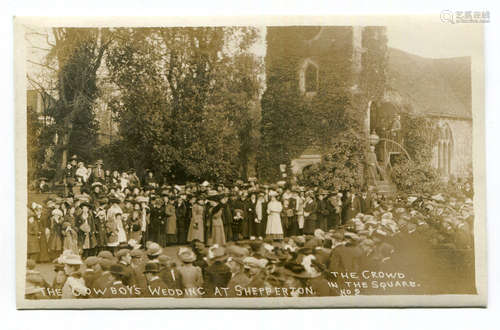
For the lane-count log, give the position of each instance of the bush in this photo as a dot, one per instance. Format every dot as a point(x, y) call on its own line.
point(412, 177)
point(341, 167)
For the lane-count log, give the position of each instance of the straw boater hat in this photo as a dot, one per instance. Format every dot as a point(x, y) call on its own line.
point(219, 254)
point(57, 212)
point(252, 262)
point(142, 199)
point(91, 261)
point(153, 249)
point(106, 255)
point(71, 259)
point(186, 254)
point(165, 260)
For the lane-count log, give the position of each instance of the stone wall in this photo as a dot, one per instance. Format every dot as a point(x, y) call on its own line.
point(461, 160)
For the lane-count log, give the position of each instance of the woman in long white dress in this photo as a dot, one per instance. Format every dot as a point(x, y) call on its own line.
point(274, 230)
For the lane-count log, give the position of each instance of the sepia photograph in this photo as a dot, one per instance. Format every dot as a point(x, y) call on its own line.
point(255, 165)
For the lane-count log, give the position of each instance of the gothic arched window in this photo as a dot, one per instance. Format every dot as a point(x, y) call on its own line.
point(309, 77)
point(445, 149)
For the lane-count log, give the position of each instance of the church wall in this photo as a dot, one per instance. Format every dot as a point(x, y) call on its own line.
point(462, 146)
point(461, 161)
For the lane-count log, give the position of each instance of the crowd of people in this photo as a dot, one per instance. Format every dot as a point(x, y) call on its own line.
point(109, 235)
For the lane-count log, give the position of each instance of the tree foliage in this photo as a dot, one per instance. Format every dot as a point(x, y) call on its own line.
point(330, 120)
point(341, 168)
point(291, 121)
point(417, 175)
point(184, 99)
point(77, 54)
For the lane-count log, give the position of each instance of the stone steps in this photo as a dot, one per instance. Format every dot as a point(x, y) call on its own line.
point(385, 187)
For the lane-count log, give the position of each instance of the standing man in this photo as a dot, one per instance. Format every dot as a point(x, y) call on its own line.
point(157, 221)
point(182, 221)
point(323, 210)
point(97, 174)
point(133, 179)
point(310, 213)
point(227, 218)
point(247, 208)
point(260, 211)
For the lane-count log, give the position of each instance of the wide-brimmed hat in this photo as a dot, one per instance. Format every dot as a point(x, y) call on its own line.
point(165, 260)
point(85, 204)
point(122, 253)
point(297, 270)
point(136, 253)
point(153, 249)
point(152, 267)
point(219, 254)
point(70, 259)
point(91, 261)
point(117, 269)
point(114, 199)
point(57, 212)
point(252, 262)
point(105, 255)
point(319, 233)
point(237, 251)
point(142, 199)
point(186, 254)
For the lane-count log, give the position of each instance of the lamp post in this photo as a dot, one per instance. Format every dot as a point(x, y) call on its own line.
point(373, 138)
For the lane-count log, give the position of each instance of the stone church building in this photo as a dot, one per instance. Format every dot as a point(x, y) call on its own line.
point(439, 89)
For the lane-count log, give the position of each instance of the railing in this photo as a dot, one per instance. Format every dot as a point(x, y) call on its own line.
point(394, 147)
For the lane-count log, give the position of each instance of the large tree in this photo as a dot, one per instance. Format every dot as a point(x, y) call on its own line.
point(184, 98)
point(69, 77)
point(79, 53)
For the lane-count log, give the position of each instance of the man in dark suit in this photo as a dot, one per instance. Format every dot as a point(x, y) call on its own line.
point(169, 274)
point(118, 289)
point(218, 274)
point(133, 179)
point(323, 211)
point(156, 286)
point(92, 272)
point(97, 174)
point(124, 259)
point(227, 218)
point(182, 220)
